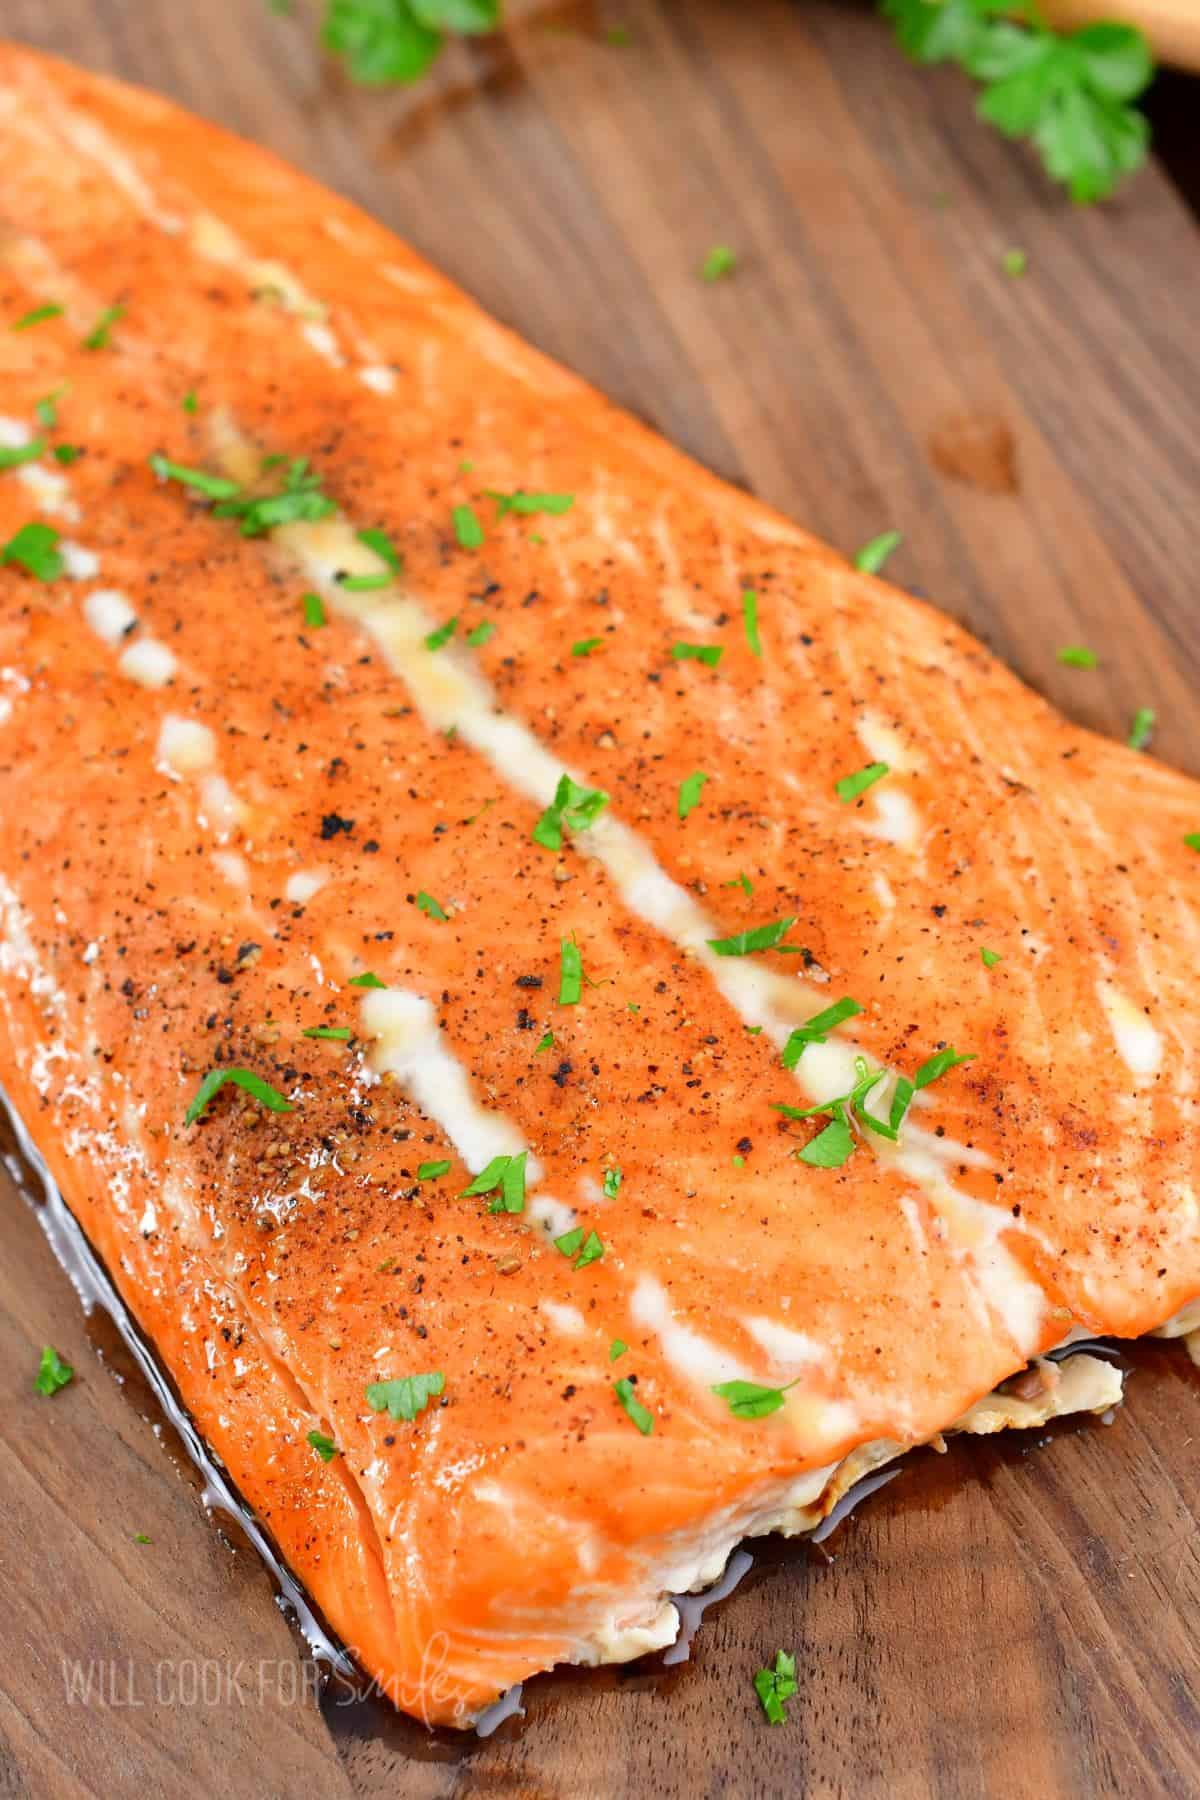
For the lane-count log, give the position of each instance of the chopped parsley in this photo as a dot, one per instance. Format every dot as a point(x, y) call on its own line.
point(246, 1079)
point(467, 528)
point(299, 497)
point(66, 454)
point(1142, 729)
point(851, 786)
point(140, 1537)
point(428, 905)
point(690, 790)
point(436, 639)
point(775, 1685)
point(617, 1348)
point(213, 487)
point(612, 1182)
point(1014, 262)
point(719, 262)
point(747, 1400)
point(750, 620)
point(627, 1395)
point(585, 646)
point(547, 1043)
point(367, 980)
point(570, 981)
point(38, 316)
point(832, 1146)
point(708, 654)
point(54, 1372)
point(742, 881)
point(98, 337)
point(744, 943)
point(13, 455)
point(47, 409)
point(1077, 656)
point(337, 1034)
point(577, 808)
point(585, 1249)
point(939, 1063)
point(871, 558)
point(34, 548)
point(505, 1174)
point(314, 610)
point(189, 403)
point(1192, 840)
point(528, 504)
point(479, 634)
point(990, 958)
point(816, 1029)
point(433, 1171)
point(406, 1396)
point(324, 1446)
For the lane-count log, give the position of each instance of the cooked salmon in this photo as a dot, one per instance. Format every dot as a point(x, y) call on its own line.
point(578, 1022)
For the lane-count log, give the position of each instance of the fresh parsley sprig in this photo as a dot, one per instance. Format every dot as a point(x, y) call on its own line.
point(1070, 94)
point(396, 40)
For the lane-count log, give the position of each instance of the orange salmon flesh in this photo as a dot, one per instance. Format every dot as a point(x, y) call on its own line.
point(285, 717)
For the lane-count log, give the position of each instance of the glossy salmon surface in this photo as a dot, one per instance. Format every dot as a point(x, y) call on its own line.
point(431, 812)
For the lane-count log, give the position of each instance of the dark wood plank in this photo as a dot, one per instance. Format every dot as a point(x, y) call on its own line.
point(1013, 1619)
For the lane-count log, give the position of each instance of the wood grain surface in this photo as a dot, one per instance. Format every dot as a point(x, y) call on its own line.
point(1017, 1617)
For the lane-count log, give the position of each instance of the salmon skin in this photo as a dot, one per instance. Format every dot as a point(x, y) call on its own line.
point(447, 843)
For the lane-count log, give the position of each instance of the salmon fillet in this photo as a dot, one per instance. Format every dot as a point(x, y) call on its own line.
point(435, 817)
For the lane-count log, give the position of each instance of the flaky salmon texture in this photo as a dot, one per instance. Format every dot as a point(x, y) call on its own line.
point(446, 840)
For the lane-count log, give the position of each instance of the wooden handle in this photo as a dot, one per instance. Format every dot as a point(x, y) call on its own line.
point(1172, 26)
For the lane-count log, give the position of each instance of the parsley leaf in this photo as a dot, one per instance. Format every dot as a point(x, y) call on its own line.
point(871, 558)
point(570, 982)
point(300, 497)
point(480, 633)
point(13, 455)
point(747, 1400)
point(428, 905)
point(253, 1084)
point(335, 1034)
point(324, 1446)
point(831, 1147)
point(585, 1250)
point(774, 1686)
point(54, 1372)
point(506, 1173)
point(382, 40)
point(213, 487)
point(1192, 840)
point(547, 1043)
point(467, 528)
point(1077, 656)
point(66, 454)
point(612, 1182)
point(1070, 95)
point(720, 261)
point(433, 1171)
point(98, 337)
point(990, 958)
point(1142, 729)
point(436, 639)
point(709, 654)
point(314, 610)
point(367, 980)
point(528, 504)
point(47, 409)
point(617, 1348)
point(406, 1396)
point(34, 548)
point(38, 316)
point(689, 792)
point(816, 1029)
point(744, 943)
point(627, 1395)
point(585, 646)
point(750, 620)
point(938, 1064)
point(1014, 262)
point(851, 786)
point(576, 807)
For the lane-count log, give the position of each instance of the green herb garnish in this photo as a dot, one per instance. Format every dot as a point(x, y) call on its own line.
point(617, 1348)
point(708, 654)
point(1077, 656)
point(528, 504)
point(570, 981)
point(547, 1043)
point(750, 620)
point(690, 789)
point(627, 1395)
point(337, 1034)
point(467, 528)
point(429, 906)
point(213, 487)
point(433, 1171)
point(34, 548)
point(577, 808)
point(745, 943)
point(774, 1686)
point(585, 646)
point(817, 1029)
point(479, 634)
point(38, 316)
point(385, 41)
point(612, 1182)
point(66, 454)
point(506, 1174)
point(747, 1400)
point(54, 1372)
point(314, 610)
point(367, 980)
point(1142, 729)
point(720, 261)
point(871, 558)
point(1014, 262)
point(406, 1396)
point(990, 958)
point(252, 1084)
point(851, 786)
point(436, 639)
point(98, 337)
point(13, 455)
point(324, 1446)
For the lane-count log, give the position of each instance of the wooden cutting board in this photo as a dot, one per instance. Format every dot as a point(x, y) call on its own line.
point(1015, 1618)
